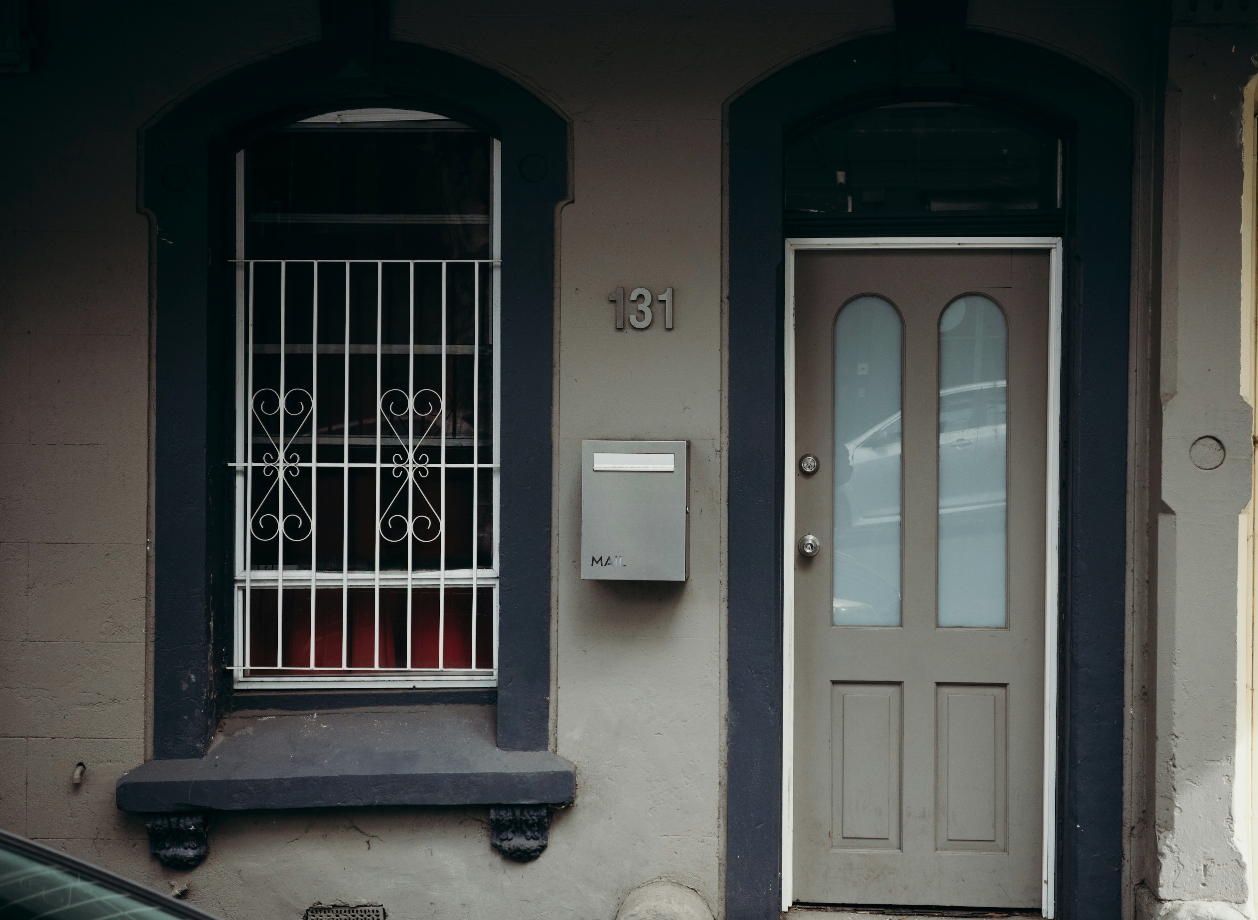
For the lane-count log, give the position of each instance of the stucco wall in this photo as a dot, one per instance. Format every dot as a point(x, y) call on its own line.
point(74, 334)
point(638, 701)
point(638, 679)
point(1200, 748)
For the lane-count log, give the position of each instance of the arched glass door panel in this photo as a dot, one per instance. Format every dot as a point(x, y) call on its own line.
point(972, 463)
point(868, 345)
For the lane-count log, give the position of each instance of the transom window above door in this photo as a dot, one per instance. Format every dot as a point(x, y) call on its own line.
point(366, 458)
point(922, 157)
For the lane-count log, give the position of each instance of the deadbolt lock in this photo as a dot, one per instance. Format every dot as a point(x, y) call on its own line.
point(809, 545)
point(808, 464)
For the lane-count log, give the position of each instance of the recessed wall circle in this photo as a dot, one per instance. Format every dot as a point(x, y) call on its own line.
point(1207, 453)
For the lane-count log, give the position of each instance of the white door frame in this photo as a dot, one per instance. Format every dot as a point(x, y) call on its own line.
point(1053, 245)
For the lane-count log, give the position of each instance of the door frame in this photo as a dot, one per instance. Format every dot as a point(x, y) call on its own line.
point(1052, 522)
point(1100, 131)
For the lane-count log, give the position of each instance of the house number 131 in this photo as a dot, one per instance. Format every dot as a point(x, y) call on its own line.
point(640, 312)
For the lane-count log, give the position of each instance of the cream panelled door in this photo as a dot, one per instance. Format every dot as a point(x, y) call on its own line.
point(921, 392)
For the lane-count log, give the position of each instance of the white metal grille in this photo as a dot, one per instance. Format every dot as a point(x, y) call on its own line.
point(367, 473)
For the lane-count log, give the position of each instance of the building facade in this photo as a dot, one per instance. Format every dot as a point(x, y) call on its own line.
point(359, 359)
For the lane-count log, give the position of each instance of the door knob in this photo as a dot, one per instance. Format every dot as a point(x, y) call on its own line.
point(809, 545)
point(808, 464)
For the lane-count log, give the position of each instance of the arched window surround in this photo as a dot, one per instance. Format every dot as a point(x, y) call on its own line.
point(186, 182)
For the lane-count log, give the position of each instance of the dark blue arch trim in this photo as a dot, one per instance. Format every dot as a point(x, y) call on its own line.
point(1097, 122)
point(186, 181)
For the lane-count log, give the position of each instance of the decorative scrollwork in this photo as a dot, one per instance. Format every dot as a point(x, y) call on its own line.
point(410, 463)
point(280, 463)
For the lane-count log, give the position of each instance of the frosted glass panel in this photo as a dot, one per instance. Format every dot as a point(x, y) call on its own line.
point(868, 339)
point(972, 344)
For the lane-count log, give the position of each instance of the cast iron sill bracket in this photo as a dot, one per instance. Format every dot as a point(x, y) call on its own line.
point(386, 756)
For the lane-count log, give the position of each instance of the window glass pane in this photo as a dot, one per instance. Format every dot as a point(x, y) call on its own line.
point(415, 189)
point(868, 343)
point(972, 520)
point(931, 156)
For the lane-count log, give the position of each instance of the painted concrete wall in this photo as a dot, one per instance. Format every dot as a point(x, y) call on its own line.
point(1201, 751)
point(74, 342)
point(639, 685)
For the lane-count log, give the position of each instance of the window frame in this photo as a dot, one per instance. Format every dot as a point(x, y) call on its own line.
point(246, 578)
point(186, 187)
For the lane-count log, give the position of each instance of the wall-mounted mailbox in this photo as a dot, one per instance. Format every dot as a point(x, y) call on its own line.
point(634, 510)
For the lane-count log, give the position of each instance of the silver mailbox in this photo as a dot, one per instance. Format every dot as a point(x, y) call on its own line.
point(634, 514)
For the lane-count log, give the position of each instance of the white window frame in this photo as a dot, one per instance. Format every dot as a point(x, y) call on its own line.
point(245, 578)
point(1052, 500)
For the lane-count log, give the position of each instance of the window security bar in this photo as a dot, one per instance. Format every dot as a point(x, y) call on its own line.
point(494, 262)
point(367, 473)
point(326, 349)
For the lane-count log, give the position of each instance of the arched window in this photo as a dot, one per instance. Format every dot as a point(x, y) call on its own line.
point(366, 403)
point(261, 199)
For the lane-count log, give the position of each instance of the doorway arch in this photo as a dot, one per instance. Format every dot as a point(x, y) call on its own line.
point(1096, 121)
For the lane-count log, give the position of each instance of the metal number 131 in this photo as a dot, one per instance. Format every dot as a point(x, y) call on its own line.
point(641, 313)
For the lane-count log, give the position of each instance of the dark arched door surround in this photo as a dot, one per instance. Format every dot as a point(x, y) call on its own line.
point(1096, 121)
point(187, 186)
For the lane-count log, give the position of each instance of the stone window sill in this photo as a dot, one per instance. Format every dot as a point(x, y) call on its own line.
point(428, 755)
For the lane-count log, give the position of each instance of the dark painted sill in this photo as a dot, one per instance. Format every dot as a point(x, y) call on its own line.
point(425, 755)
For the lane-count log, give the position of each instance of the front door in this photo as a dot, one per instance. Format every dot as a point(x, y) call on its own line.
point(921, 382)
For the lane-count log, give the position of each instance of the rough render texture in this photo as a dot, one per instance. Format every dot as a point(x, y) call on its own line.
point(1198, 857)
point(638, 669)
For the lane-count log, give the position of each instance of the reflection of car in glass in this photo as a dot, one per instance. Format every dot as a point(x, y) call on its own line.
point(868, 496)
point(880, 598)
point(39, 883)
point(971, 454)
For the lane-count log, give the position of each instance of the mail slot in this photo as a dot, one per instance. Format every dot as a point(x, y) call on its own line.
point(634, 510)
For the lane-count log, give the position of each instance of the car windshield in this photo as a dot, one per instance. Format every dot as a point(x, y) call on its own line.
point(41, 884)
